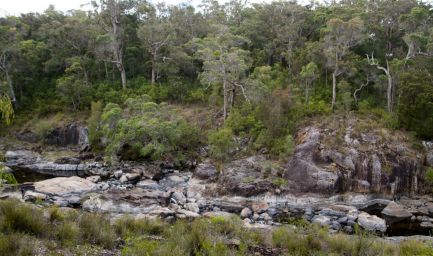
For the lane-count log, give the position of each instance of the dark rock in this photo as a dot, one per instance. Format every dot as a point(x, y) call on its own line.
point(394, 212)
point(206, 171)
point(67, 160)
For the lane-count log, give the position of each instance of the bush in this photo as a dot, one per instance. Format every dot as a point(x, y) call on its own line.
point(67, 233)
point(15, 244)
point(149, 131)
point(428, 177)
point(93, 123)
point(129, 227)
point(96, 229)
point(16, 217)
point(221, 144)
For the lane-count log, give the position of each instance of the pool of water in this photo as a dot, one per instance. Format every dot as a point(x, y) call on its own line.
point(28, 176)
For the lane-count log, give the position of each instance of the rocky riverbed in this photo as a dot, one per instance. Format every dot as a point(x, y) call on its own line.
point(366, 181)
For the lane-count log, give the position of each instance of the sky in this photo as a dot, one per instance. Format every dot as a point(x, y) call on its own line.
point(16, 7)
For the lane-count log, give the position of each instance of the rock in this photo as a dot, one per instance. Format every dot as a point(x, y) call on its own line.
point(94, 179)
point(265, 216)
point(375, 205)
point(394, 212)
point(148, 184)
point(322, 220)
point(62, 186)
point(336, 225)
point(371, 222)
point(71, 134)
point(34, 196)
point(67, 160)
point(206, 171)
point(188, 214)
point(259, 206)
point(123, 179)
point(256, 216)
point(133, 176)
point(20, 157)
point(246, 213)
point(331, 212)
point(218, 214)
point(118, 174)
point(179, 198)
point(60, 170)
point(193, 207)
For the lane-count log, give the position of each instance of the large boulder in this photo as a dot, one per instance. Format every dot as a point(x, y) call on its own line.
point(394, 212)
point(371, 222)
point(64, 186)
point(71, 134)
point(206, 171)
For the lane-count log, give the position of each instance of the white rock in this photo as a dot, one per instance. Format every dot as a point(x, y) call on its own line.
point(371, 222)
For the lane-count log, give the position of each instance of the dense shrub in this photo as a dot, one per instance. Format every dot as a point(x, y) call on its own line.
point(416, 103)
point(221, 144)
point(25, 218)
point(96, 229)
point(146, 130)
point(93, 124)
point(15, 244)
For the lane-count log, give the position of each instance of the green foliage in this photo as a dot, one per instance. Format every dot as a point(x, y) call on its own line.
point(416, 103)
point(221, 144)
point(67, 233)
point(147, 130)
point(428, 177)
point(7, 178)
point(15, 244)
point(25, 218)
point(96, 228)
point(128, 227)
point(93, 124)
point(243, 121)
point(6, 109)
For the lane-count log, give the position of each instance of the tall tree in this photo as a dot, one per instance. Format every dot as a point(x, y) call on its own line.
point(155, 34)
point(113, 14)
point(341, 36)
point(224, 63)
point(309, 73)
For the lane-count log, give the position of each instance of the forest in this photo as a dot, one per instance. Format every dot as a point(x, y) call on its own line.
point(252, 60)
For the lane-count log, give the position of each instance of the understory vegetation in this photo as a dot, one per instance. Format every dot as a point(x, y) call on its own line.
point(31, 229)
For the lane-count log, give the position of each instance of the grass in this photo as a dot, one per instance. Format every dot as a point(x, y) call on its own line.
point(27, 229)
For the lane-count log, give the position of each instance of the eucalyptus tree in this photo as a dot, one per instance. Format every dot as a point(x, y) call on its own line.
point(113, 16)
point(225, 63)
point(309, 74)
point(340, 37)
point(155, 34)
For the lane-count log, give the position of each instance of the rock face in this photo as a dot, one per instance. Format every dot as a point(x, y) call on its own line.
point(32, 162)
point(247, 177)
point(367, 163)
point(71, 134)
point(302, 170)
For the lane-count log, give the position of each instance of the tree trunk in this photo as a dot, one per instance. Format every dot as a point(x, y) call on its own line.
point(106, 70)
point(334, 88)
point(225, 98)
point(389, 90)
point(152, 81)
point(123, 77)
point(307, 87)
